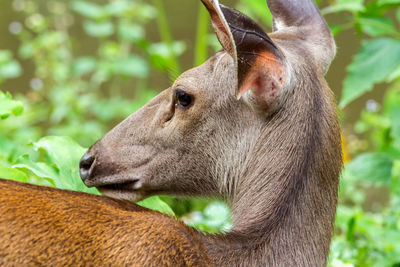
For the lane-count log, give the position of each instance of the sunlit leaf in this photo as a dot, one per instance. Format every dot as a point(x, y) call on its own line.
point(62, 151)
point(377, 26)
point(372, 167)
point(109, 109)
point(376, 60)
point(394, 75)
point(88, 9)
point(395, 123)
point(83, 65)
point(164, 50)
point(217, 214)
point(98, 29)
point(117, 8)
point(256, 9)
point(9, 68)
point(13, 174)
point(155, 203)
point(61, 163)
point(336, 29)
point(344, 5)
point(40, 169)
point(9, 106)
point(214, 218)
point(161, 54)
point(388, 2)
point(26, 50)
point(398, 15)
point(132, 66)
point(130, 32)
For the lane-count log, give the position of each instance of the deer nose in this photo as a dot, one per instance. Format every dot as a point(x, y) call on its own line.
point(85, 166)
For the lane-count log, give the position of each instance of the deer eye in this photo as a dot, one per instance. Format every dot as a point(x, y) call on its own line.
point(182, 99)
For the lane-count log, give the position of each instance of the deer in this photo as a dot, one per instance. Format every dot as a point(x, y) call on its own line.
point(256, 124)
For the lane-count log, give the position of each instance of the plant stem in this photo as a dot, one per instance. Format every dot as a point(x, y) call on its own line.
point(201, 36)
point(166, 37)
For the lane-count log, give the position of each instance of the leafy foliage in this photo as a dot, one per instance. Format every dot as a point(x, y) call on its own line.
point(9, 106)
point(155, 203)
point(376, 61)
point(215, 217)
point(367, 230)
point(9, 68)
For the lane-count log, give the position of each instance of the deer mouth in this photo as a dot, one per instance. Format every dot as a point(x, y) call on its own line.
point(127, 186)
point(129, 190)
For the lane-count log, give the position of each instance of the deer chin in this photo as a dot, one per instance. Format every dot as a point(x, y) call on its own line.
point(127, 188)
point(123, 194)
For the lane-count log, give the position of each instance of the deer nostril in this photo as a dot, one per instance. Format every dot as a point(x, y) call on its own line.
point(85, 166)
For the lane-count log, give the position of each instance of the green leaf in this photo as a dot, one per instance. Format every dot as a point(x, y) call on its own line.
point(155, 203)
point(215, 218)
point(98, 29)
point(376, 60)
point(132, 66)
point(62, 151)
point(395, 129)
point(373, 167)
point(5, 56)
point(40, 169)
point(26, 50)
point(9, 106)
point(388, 2)
point(377, 26)
point(118, 8)
point(161, 55)
point(88, 9)
point(394, 75)
point(164, 50)
point(108, 110)
point(83, 66)
point(13, 174)
point(336, 29)
point(130, 32)
point(217, 214)
point(61, 163)
point(256, 9)
point(391, 101)
point(398, 15)
point(352, 6)
point(9, 68)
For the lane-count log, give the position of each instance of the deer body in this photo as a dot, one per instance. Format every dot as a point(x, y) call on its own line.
point(64, 228)
point(255, 124)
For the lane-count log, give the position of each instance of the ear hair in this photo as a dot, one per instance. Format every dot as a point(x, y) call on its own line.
point(264, 83)
point(223, 33)
point(259, 69)
point(302, 18)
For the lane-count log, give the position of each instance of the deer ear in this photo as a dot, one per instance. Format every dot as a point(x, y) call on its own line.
point(223, 32)
point(259, 69)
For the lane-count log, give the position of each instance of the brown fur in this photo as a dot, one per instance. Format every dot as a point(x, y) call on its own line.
point(275, 155)
point(42, 226)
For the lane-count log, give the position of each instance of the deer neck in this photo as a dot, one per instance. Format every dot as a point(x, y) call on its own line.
point(284, 205)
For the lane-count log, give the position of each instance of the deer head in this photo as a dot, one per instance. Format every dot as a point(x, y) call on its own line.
point(256, 124)
point(257, 108)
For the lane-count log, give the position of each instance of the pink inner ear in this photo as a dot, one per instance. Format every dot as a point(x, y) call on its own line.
point(265, 78)
point(218, 24)
point(222, 33)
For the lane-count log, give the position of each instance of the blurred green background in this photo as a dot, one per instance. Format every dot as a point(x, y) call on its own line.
point(71, 70)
